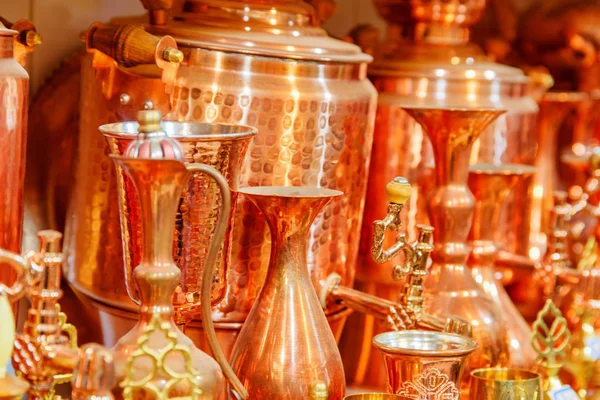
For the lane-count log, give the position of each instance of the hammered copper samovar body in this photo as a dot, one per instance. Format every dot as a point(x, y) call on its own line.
point(14, 93)
point(267, 66)
point(428, 62)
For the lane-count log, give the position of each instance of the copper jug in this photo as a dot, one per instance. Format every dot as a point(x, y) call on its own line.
point(14, 94)
point(244, 62)
point(427, 61)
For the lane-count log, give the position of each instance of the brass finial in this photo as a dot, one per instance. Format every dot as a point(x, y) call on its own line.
point(550, 342)
point(149, 121)
point(173, 55)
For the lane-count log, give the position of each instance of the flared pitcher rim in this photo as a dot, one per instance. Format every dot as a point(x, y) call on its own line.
point(280, 191)
point(467, 344)
point(118, 130)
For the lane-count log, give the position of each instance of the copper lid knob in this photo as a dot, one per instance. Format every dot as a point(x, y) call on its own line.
point(152, 141)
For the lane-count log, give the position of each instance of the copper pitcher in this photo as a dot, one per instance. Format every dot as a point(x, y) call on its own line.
point(244, 63)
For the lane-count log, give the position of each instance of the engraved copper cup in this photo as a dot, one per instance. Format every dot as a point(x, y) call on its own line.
point(505, 384)
point(218, 145)
point(424, 365)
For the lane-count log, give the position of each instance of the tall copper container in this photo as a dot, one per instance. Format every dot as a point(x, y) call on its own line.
point(14, 90)
point(428, 61)
point(245, 63)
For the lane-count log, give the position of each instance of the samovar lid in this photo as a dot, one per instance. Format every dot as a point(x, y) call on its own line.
point(278, 28)
point(7, 32)
point(433, 64)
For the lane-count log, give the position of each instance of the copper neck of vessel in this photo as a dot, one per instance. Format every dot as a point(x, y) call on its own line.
point(451, 204)
point(158, 184)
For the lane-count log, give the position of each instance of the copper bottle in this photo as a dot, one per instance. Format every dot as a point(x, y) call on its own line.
point(427, 60)
point(14, 91)
point(286, 348)
point(491, 184)
point(248, 63)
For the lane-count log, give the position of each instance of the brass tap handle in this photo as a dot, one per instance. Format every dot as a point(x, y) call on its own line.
point(398, 191)
point(94, 374)
point(392, 314)
point(452, 324)
point(412, 297)
point(130, 45)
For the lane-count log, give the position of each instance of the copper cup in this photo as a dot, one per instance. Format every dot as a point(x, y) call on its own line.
point(505, 384)
point(424, 364)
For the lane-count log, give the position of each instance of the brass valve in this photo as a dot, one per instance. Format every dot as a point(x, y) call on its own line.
point(415, 255)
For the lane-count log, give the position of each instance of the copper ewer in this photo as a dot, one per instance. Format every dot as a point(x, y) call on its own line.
point(246, 63)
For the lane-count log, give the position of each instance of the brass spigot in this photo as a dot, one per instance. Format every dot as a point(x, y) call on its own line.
point(415, 255)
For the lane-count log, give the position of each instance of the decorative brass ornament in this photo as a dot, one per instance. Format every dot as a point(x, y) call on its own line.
point(429, 385)
point(159, 366)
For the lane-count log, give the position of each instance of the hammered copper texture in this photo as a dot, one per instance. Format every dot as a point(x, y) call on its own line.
point(196, 217)
point(315, 126)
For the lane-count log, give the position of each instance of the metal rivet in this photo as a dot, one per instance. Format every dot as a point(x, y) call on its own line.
point(148, 105)
point(125, 98)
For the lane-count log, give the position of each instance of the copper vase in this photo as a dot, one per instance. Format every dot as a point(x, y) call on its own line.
point(286, 349)
point(450, 288)
point(491, 184)
point(424, 365)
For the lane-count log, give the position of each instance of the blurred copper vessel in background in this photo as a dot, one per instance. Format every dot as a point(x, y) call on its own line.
point(244, 62)
point(427, 61)
point(14, 97)
point(491, 184)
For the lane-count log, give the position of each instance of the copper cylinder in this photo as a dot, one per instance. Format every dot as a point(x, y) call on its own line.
point(307, 95)
point(14, 90)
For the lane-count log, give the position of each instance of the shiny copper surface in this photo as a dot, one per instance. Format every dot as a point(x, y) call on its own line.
point(14, 92)
point(286, 346)
point(159, 183)
point(450, 288)
point(424, 365)
point(491, 185)
point(426, 60)
point(315, 129)
point(220, 146)
point(505, 383)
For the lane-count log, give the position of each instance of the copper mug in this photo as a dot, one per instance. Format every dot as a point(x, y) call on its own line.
point(505, 384)
point(424, 365)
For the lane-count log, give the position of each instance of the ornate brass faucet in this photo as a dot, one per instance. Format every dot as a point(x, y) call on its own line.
point(414, 268)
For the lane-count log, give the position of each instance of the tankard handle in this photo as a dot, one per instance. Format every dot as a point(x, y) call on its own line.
point(22, 266)
point(209, 271)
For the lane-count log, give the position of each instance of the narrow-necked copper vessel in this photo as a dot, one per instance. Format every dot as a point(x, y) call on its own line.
point(286, 349)
point(450, 288)
point(491, 184)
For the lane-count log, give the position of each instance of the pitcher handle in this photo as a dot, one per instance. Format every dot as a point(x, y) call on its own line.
point(209, 271)
point(22, 266)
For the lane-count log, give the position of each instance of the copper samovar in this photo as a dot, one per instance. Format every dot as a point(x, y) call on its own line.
point(241, 62)
point(427, 61)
